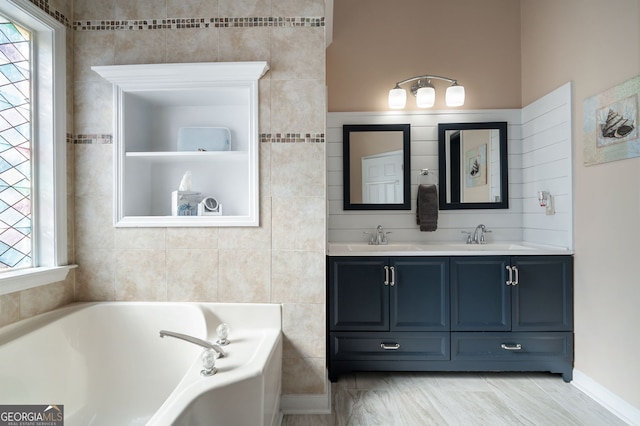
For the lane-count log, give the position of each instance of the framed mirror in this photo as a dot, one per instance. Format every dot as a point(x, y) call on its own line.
point(376, 160)
point(473, 172)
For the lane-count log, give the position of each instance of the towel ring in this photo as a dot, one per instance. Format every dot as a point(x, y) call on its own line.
point(421, 173)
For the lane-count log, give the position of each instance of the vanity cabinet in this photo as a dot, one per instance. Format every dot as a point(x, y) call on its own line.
point(152, 102)
point(459, 313)
point(387, 309)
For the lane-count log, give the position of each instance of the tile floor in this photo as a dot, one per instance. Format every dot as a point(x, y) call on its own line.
point(408, 399)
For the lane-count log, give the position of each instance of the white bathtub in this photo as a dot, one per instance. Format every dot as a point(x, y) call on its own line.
point(106, 363)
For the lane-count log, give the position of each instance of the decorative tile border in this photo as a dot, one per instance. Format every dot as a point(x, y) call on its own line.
point(292, 137)
point(93, 139)
point(179, 23)
point(44, 5)
point(175, 23)
point(98, 139)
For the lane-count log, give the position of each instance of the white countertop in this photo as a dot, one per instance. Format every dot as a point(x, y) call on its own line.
point(444, 249)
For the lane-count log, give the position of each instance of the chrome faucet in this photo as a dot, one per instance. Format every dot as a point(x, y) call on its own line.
point(216, 347)
point(478, 235)
point(380, 238)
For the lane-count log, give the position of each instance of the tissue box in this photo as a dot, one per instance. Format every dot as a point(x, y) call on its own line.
point(185, 203)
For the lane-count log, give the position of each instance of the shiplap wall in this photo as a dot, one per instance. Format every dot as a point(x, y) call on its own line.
point(539, 138)
point(348, 226)
point(547, 166)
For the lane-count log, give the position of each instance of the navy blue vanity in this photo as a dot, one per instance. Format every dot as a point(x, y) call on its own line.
point(449, 308)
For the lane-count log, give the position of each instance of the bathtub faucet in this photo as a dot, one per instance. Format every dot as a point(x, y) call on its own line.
point(221, 353)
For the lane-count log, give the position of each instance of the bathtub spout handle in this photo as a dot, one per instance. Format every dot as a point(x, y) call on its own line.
point(221, 353)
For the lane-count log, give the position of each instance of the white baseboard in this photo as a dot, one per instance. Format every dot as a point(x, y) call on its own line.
point(603, 396)
point(307, 404)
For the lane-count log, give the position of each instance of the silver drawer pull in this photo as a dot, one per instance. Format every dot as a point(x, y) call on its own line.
point(387, 347)
point(515, 347)
point(393, 276)
point(386, 275)
point(510, 280)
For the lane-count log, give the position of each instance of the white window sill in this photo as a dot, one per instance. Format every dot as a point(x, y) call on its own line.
point(23, 279)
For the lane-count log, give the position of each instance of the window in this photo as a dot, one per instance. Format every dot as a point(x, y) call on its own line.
point(33, 235)
point(15, 145)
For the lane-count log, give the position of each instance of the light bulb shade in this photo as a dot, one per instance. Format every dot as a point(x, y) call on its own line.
point(425, 97)
point(397, 98)
point(455, 95)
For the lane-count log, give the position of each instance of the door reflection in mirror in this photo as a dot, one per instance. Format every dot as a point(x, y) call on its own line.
point(376, 167)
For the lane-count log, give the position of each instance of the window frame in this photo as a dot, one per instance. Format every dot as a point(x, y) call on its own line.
point(49, 106)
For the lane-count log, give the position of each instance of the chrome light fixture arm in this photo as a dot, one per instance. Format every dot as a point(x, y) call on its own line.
point(415, 87)
point(424, 92)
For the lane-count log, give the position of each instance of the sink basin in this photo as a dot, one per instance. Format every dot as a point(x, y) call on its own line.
point(384, 247)
point(441, 249)
point(485, 247)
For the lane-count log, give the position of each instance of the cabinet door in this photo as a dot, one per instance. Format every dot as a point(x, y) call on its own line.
point(358, 298)
point(480, 297)
point(419, 294)
point(542, 300)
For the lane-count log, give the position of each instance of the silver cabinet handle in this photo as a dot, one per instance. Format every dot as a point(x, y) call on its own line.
point(393, 276)
point(386, 275)
point(510, 280)
point(508, 347)
point(517, 281)
point(388, 347)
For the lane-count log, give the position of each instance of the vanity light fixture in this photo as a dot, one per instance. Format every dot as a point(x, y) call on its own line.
point(425, 93)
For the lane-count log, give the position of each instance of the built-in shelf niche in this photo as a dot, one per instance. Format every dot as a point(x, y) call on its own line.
point(151, 102)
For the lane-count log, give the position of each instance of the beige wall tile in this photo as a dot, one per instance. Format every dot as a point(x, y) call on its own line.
point(71, 169)
point(192, 8)
point(265, 174)
point(298, 8)
point(244, 8)
point(192, 275)
point(147, 9)
point(95, 275)
point(298, 53)
point(93, 170)
point(298, 104)
point(245, 276)
point(303, 376)
point(94, 9)
point(303, 326)
point(140, 47)
point(298, 277)
point(9, 308)
point(46, 298)
point(194, 238)
point(92, 48)
point(141, 275)
point(62, 6)
point(245, 44)
point(93, 107)
point(250, 238)
point(192, 45)
point(299, 223)
point(298, 170)
point(265, 103)
point(94, 223)
point(141, 238)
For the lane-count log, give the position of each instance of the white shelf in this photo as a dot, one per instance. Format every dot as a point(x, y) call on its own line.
point(151, 103)
point(175, 156)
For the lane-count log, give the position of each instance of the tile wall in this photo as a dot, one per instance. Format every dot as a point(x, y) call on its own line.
point(282, 261)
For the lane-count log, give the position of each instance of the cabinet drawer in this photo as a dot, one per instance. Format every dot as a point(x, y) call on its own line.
point(389, 346)
point(511, 346)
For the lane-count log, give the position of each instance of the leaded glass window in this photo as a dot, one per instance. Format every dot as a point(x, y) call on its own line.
point(15, 146)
